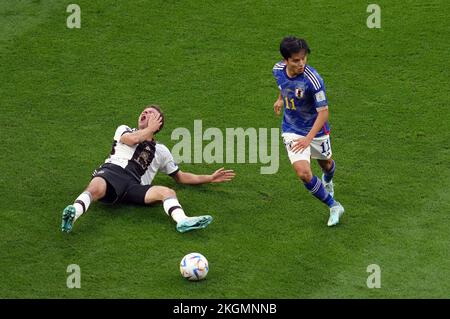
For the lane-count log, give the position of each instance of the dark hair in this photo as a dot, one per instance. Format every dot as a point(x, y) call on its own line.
point(158, 108)
point(291, 45)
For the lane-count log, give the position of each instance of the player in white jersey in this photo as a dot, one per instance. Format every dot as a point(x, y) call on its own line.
point(128, 172)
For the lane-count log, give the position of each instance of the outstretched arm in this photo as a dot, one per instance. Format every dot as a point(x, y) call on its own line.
point(219, 176)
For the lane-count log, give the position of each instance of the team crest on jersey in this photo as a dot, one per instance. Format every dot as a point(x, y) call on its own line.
point(299, 92)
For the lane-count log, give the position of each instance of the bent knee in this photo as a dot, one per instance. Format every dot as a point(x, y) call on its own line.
point(326, 165)
point(166, 192)
point(97, 188)
point(304, 174)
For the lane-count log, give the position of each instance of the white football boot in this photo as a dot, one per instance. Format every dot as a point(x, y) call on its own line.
point(336, 212)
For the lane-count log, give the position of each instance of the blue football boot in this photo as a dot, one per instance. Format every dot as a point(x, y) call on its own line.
point(191, 223)
point(68, 217)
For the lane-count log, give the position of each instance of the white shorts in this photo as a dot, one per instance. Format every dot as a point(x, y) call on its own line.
point(320, 148)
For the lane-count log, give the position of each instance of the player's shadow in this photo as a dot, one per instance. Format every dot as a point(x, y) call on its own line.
point(134, 213)
point(152, 216)
point(193, 199)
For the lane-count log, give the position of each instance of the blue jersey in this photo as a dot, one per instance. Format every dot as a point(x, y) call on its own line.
point(303, 95)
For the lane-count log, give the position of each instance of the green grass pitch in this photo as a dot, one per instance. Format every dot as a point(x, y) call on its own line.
point(64, 91)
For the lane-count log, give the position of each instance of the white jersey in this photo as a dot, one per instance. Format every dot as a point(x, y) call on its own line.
point(142, 160)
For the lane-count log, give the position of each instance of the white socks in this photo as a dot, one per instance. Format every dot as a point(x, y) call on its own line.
point(173, 208)
point(82, 203)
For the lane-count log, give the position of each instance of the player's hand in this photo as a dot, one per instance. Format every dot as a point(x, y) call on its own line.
point(300, 144)
point(154, 122)
point(277, 106)
point(222, 175)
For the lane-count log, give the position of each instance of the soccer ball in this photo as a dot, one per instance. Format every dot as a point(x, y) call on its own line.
point(194, 266)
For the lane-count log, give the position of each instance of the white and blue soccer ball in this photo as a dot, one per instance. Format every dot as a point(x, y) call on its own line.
point(194, 266)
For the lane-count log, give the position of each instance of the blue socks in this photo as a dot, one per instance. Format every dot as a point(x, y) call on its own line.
point(317, 189)
point(328, 175)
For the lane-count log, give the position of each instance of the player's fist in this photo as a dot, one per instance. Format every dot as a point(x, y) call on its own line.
point(277, 106)
point(154, 122)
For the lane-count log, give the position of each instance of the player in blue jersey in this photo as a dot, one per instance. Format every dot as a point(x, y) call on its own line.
point(306, 131)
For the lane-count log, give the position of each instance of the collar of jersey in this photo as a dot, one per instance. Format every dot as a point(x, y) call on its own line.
point(295, 77)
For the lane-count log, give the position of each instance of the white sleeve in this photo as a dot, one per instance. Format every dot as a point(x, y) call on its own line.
point(168, 165)
point(122, 129)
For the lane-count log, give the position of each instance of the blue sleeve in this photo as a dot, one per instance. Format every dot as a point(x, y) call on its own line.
point(277, 72)
point(318, 91)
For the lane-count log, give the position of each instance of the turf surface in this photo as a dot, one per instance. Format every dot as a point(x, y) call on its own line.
point(64, 91)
